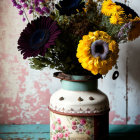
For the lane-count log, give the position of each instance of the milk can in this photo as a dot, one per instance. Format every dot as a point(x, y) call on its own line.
point(79, 111)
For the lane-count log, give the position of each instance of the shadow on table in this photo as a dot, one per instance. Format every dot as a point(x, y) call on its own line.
point(124, 137)
point(124, 132)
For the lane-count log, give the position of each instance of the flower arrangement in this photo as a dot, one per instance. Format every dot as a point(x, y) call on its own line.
point(76, 36)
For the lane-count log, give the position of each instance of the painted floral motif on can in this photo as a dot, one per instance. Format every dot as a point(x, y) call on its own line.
point(71, 128)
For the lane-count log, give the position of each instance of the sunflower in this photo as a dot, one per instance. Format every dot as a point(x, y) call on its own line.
point(68, 7)
point(135, 29)
point(116, 19)
point(117, 12)
point(37, 37)
point(107, 7)
point(97, 52)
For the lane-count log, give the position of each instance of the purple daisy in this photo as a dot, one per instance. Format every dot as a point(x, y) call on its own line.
point(38, 36)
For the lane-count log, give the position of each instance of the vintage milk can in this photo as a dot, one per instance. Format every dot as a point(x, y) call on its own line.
point(78, 111)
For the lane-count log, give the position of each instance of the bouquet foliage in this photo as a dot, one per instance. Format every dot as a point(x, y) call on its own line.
point(76, 36)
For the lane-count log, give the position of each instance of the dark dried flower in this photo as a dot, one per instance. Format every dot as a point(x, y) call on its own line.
point(38, 36)
point(68, 7)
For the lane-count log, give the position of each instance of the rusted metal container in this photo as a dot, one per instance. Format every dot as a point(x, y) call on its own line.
point(79, 111)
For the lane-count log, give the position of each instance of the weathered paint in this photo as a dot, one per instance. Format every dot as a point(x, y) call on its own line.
point(25, 93)
point(124, 93)
point(137, 121)
point(117, 119)
point(41, 132)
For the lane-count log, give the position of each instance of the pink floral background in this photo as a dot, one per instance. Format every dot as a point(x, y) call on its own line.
point(24, 92)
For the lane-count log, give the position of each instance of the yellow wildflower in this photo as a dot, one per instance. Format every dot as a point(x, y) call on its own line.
point(109, 8)
point(116, 19)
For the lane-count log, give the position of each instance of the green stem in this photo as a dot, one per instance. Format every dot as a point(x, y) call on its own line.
point(26, 15)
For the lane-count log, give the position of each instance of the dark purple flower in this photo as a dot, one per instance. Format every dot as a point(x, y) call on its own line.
point(20, 12)
point(36, 6)
point(38, 9)
point(31, 7)
point(36, 3)
point(24, 19)
point(41, 0)
point(30, 11)
point(38, 36)
point(18, 6)
point(22, 0)
point(69, 7)
point(100, 48)
point(25, 5)
point(45, 9)
point(41, 12)
point(14, 3)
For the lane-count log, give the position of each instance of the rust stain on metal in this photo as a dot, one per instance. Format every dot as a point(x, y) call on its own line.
point(80, 99)
point(61, 98)
point(68, 77)
point(91, 98)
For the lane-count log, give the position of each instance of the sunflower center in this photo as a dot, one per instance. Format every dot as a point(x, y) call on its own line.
point(39, 38)
point(100, 48)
